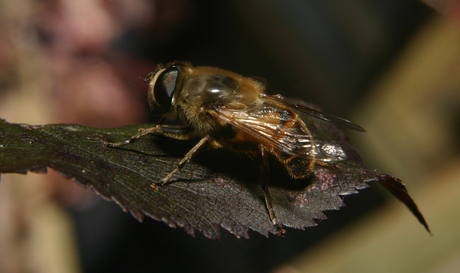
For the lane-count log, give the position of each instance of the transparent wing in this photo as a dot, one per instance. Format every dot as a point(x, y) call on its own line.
point(275, 127)
point(317, 114)
point(328, 151)
point(281, 130)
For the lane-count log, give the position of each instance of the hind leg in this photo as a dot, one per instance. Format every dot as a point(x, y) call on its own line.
point(263, 178)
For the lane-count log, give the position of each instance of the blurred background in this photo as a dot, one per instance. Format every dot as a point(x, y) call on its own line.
point(392, 66)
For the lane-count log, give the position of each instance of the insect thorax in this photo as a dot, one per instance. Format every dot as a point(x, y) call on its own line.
point(200, 92)
point(209, 89)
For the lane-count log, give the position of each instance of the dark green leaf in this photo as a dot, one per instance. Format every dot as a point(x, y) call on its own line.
point(217, 189)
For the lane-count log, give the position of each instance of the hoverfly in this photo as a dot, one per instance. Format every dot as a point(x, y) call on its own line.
point(227, 110)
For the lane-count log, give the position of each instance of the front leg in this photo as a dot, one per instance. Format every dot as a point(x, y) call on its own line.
point(142, 132)
point(182, 133)
point(169, 131)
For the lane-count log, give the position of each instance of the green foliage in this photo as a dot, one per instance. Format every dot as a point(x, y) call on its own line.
point(217, 189)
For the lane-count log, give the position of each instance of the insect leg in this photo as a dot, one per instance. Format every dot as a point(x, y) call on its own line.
point(264, 172)
point(184, 160)
point(142, 132)
point(169, 131)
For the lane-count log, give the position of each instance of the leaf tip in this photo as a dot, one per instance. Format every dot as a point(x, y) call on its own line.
point(397, 188)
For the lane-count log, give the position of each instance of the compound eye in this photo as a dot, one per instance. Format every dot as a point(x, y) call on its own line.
point(165, 87)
